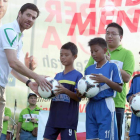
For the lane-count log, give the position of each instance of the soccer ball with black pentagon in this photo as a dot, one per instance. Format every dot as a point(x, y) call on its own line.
point(87, 87)
point(135, 105)
point(50, 93)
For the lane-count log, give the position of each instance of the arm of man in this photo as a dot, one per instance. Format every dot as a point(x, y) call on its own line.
point(20, 68)
point(7, 114)
point(125, 76)
point(128, 67)
point(18, 130)
point(32, 85)
point(6, 118)
point(19, 76)
point(17, 65)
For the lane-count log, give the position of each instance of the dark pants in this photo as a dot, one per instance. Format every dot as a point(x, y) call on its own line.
point(119, 116)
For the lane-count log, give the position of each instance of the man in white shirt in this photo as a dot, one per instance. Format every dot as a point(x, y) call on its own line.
point(10, 48)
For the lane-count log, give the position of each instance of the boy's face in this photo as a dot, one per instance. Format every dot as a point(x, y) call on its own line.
point(113, 38)
point(66, 57)
point(3, 7)
point(97, 52)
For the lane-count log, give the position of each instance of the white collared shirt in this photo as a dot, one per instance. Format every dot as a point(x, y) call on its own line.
point(10, 38)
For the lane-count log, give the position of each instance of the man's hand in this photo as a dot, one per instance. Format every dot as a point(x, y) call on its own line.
point(34, 87)
point(42, 82)
point(98, 78)
point(33, 120)
point(30, 62)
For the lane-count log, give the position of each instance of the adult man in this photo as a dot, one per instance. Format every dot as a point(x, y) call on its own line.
point(28, 119)
point(27, 59)
point(125, 61)
point(10, 48)
point(7, 115)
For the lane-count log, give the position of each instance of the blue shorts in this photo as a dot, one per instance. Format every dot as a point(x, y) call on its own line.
point(135, 137)
point(101, 120)
point(66, 134)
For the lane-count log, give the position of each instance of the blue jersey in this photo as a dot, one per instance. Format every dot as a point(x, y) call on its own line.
point(135, 121)
point(64, 110)
point(109, 70)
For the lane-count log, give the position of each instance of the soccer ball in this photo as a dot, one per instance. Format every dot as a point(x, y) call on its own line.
point(87, 87)
point(135, 105)
point(50, 93)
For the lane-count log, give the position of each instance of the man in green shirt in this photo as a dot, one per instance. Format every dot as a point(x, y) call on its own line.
point(28, 119)
point(124, 60)
point(7, 115)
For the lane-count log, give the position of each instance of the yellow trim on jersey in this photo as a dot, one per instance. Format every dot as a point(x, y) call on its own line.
point(75, 134)
point(67, 82)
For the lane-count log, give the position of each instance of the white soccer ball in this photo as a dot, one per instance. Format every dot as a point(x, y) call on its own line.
point(50, 93)
point(135, 105)
point(87, 87)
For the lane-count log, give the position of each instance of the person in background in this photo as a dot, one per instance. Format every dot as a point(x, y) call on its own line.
point(124, 60)
point(28, 119)
point(7, 115)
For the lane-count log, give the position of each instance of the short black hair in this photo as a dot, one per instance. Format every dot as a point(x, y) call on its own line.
point(31, 94)
point(98, 41)
point(113, 24)
point(70, 46)
point(29, 6)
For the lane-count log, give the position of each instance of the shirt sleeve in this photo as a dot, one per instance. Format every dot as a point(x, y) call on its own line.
point(7, 112)
point(20, 117)
point(116, 75)
point(90, 62)
point(129, 63)
point(8, 38)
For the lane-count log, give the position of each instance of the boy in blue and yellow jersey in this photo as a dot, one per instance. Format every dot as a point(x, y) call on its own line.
point(100, 111)
point(134, 133)
point(63, 117)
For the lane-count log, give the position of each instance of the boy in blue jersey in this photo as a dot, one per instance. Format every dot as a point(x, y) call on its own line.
point(63, 117)
point(100, 110)
point(134, 133)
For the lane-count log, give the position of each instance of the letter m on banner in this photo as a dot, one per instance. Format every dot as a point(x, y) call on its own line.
point(77, 20)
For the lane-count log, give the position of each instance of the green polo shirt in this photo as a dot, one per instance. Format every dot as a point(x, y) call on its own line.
point(125, 60)
point(25, 115)
point(7, 112)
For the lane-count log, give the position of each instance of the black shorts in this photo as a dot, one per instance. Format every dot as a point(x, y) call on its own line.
point(66, 134)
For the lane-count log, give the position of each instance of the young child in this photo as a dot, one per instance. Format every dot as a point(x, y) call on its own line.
point(63, 117)
point(100, 110)
point(134, 133)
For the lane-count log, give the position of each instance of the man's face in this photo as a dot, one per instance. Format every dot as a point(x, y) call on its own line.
point(3, 7)
point(32, 100)
point(27, 19)
point(113, 38)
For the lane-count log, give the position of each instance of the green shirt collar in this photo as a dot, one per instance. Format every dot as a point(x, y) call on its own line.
point(117, 49)
point(33, 109)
